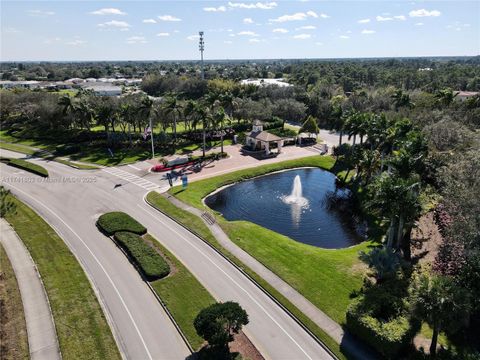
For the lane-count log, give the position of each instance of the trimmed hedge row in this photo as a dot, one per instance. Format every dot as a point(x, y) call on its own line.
point(112, 222)
point(152, 265)
point(388, 336)
point(25, 165)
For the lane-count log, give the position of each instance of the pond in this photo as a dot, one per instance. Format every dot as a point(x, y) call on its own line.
point(293, 203)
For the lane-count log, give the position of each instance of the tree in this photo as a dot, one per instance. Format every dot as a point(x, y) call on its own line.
point(219, 322)
point(445, 97)
point(384, 262)
point(289, 109)
point(436, 300)
point(7, 206)
point(172, 106)
point(400, 99)
point(218, 120)
point(310, 126)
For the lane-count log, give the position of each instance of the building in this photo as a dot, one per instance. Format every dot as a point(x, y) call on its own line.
point(103, 89)
point(265, 82)
point(31, 84)
point(464, 95)
point(259, 140)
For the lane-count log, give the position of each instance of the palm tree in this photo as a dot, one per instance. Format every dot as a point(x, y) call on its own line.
point(218, 120)
point(173, 106)
point(445, 97)
point(190, 114)
point(229, 103)
point(146, 109)
point(205, 117)
point(401, 99)
point(67, 103)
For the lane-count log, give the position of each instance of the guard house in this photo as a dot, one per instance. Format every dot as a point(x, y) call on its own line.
point(258, 139)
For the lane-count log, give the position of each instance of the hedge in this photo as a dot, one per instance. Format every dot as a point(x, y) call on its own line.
point(112, 222)
point(150, 263)
point(388, 336)
point(25, 165)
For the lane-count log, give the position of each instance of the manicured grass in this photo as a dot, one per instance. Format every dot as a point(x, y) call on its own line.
point(25, 165)
point(197, 226)
point(101, 156)
point(112, 222)
point(83, 332)
point(17, 148)
point(150, 263)
point(75, 165)
point(183, 295)
point(13, 329)
point(325, 277)
point(197, 190)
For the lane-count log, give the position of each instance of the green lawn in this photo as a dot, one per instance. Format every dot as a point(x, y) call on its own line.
point(25, 165)
point(183, 295)
point(196, 225)
point(83, 332)
point(13, 329)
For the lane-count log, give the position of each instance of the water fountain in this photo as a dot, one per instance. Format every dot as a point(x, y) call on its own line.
point(296, 196)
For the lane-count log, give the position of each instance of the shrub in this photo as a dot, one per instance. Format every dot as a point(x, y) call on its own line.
point(112, 222)
point(381, 319)
point(150, 263)
point(25, 165)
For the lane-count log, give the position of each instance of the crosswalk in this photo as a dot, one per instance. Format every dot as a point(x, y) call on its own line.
point(132, 178)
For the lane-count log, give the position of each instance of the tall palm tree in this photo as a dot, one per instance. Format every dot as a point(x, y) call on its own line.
point(205, 117)
point(173, 106)
point(400, 99)
point(229, 103)
point(445, 97)
point(218, 120)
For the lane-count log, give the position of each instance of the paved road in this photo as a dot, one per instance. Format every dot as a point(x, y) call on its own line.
point(143, 329)
point(42, 337)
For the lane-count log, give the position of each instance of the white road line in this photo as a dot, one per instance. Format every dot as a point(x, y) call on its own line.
point(99, 263)
point(228, 276)
point(132, 178)
point(134, 167)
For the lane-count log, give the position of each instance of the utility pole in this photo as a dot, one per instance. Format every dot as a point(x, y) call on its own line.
point(201, 46)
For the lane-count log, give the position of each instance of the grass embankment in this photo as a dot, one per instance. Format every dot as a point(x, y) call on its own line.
point(13, 329)
point(82, 330)
point(25, 165)
point(180, 291)
point(197, 226)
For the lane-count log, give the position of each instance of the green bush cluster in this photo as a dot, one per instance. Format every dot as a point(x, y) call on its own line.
point(112, 222)
point(380, 318)
point(25, 165)
point(152, 265)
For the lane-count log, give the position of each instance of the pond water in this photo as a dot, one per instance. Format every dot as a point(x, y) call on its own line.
point(293, 203)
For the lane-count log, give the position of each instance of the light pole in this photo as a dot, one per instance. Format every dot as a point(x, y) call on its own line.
point(201, 47)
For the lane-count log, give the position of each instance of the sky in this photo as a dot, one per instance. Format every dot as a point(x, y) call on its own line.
point(69, 30)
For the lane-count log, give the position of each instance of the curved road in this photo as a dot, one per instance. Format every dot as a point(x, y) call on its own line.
point(139, 323)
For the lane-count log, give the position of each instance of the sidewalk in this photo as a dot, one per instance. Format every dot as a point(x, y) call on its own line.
point(332, 328)
point(42, 337)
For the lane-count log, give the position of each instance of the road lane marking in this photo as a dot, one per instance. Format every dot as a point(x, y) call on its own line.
point(132, 178)
point(99, 263)
point(134, 167)
point(228, 276)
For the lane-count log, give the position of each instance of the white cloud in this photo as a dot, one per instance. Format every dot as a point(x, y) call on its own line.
point(424, 13)
point(163, 34)
point(149, 21)
point(169, 18)
point(368, 32)
point(248, 21)
point(280, 30)
point(108, 11)
point(400, 17)
point(193, 37)
point(40, 13)
point(344, 37)
point(136, 40)
point(296, 17)
point(76, 42)
point(228, 42)
point(419, 24)
point(122, 25)
point(247, 33)
point(215, 9)
point(51, 40)
point(253, 40)
point(258, 5)
point(324, 16)
point(302, 36)
point(363, 21)
point(307, 27)
point(382, 18)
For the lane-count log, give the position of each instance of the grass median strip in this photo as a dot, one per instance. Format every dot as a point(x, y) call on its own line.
point(13, 329)
point(25, 165)
point(197, 226)
point(180, 291)
point(82, 330)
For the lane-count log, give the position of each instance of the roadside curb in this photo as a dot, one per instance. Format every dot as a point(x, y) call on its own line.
point(288, 312)
point(157, 297)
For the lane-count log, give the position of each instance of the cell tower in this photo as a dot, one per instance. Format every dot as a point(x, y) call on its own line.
point(201, 46)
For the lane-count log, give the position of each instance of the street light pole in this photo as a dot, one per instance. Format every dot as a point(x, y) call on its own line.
point(201, 46)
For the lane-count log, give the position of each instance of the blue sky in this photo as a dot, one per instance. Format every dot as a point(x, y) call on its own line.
point(167, 30)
